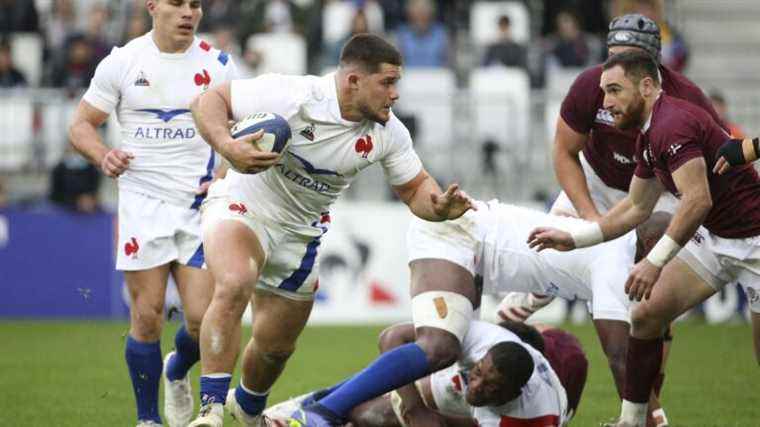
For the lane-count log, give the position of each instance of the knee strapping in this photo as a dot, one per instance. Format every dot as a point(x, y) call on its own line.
point(445, 310)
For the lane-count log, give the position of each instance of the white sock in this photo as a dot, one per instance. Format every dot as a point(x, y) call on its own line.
point(634, 414)
point(659, 413)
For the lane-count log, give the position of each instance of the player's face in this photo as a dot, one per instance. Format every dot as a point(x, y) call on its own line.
point(622, 98)
point(176, 20)
point(484, 384)
point(378, 92)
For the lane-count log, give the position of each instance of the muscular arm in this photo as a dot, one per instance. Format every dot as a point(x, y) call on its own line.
point(425, 199)
point(634, 209)
point(212, 111)
point(83, 133)
point(567, 166)
point(695, 203)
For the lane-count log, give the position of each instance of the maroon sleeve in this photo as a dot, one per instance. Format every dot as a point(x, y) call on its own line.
point(580, 104)
point(643, 170)
point(682, 87)
point(683, 143)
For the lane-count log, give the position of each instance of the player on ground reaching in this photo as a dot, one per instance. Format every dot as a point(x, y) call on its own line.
point(712, 238)
point(163, 168)
point(262, 231)
point(444, 391)
point(491, 242)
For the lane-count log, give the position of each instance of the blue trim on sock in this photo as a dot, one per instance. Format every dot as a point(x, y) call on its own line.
point(145, 365)
point(252, 404)
point(187, 354)
point(393, 369)
point(214, 390)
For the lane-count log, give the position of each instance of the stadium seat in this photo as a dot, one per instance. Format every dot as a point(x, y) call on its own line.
point(428, 94)
point(280, 52)
point(338, 15)
point(16, 131)
point(26, 49)
point(485, 15)
point(559, 80)
point(501, 105)
point(56, 117)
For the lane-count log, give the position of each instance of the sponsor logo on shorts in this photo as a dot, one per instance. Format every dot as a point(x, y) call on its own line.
point(308, 132)
point(364, 146)
point(239, 208)
point(698, 238)
point(131, 248)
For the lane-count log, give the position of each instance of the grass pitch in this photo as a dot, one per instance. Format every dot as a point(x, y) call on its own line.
point(73, 373)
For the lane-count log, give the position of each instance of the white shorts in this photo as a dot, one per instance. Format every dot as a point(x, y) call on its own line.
point(153, 232)
point(605, 197)
point(447, 388)
point(291, 268)
point(719, 261)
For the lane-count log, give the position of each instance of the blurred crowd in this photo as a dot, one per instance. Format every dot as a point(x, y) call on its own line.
point(77, 34)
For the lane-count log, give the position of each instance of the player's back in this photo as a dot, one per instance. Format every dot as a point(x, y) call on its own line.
point(508, 264)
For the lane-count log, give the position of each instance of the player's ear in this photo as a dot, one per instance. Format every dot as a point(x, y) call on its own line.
point(646, 86)
point(353, 80)
point(150, 5)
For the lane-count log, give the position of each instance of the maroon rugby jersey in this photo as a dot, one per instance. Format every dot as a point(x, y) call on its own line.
point(679, 132)
point(609, 150)
point(566, 356)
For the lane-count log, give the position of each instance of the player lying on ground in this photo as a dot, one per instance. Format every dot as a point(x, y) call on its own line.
point(500, 380)
point(490, 242)
point(711, 240)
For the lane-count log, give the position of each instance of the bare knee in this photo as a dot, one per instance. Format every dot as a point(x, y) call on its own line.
point(441, 347)
point(146, 320)
point(647, 323)
point(233, 290)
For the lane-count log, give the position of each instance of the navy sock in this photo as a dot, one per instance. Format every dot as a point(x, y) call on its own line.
point(214, 388)
point(322, 393)
point(187, 353)
point(145, 364)
point(393, 369)
point(252, 403)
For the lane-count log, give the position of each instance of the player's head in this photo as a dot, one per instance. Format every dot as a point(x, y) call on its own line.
point(175, 20)
point(650, 231)
point(634, 32)
point(370, 68)
point(500, 376)
point(629, 80)
point(527, 333)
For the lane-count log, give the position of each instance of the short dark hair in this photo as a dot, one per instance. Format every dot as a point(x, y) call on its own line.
point(505, 21)
point(369, 51)
point(637, 65)
point(527, 333)
point(514, 363)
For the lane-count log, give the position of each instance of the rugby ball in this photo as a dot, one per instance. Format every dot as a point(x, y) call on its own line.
point(277, 134)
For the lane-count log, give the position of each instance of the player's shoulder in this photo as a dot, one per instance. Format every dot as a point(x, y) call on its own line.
point(680, 85)
point(396, 130)
point(674, 114)
point(209, 53)
point(588, 79)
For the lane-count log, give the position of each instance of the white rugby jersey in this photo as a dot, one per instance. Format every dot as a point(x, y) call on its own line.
point(542, 397)
point(508, 264)
point(151, 92)
point(325, 155)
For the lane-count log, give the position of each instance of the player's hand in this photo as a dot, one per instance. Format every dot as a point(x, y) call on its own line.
point(423, 417)
point(115, 162)
point(550, 238)
point(452, 204)
point(641, 280)
point(245, 156)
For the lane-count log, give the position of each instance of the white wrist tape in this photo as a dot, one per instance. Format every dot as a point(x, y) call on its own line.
point(665, 249)
point(588, 235)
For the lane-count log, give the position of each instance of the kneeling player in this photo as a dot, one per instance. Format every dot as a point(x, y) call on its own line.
point(500, 380)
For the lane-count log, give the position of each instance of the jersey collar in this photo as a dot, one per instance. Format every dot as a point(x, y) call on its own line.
point(164, 55)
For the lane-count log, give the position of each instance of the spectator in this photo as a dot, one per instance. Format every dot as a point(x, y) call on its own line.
point(96, 31)
point(18, 16)
point(75, 70)
point(269, 17)
point(219, 14)
point(719, 103)
point(422, 41)
point(137, 25)
point(571, 46)
point(505, 51)
point(74, 183)
point(59, 26)
point(10, 76)
point(359, 25)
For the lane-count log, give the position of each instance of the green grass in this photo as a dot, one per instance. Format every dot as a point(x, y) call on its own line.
point(73, 373)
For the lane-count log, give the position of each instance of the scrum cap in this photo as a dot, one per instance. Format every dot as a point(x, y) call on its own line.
point(635, 30)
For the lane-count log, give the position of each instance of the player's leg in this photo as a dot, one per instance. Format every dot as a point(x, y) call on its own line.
point(277, 323)
point(233, 255)
point(147, 289)
point(195, 287)
point(678, 289)
point(613, 337)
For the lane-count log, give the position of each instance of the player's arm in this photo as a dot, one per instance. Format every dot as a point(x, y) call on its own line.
point(567, 166)
point(425, 199)
point(84, 137)
point(736, 152)
point(212, 111)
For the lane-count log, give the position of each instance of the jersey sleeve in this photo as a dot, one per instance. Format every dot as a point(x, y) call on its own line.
point(579, 106)
point(104, 92)
point(643, 170)
point(682, 144)
point(270, 93)
point(400, 162)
